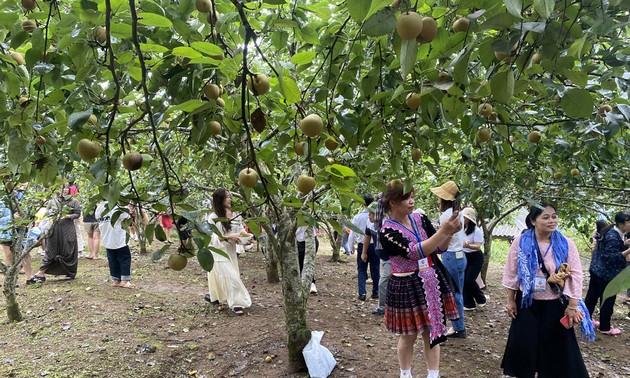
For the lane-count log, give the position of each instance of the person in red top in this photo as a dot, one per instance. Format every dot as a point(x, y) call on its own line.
point(419, 297)
point(167, 225)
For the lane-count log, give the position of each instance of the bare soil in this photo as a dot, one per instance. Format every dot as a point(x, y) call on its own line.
point(164, 328)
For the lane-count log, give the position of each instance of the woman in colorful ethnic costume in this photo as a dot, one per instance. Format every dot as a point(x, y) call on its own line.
point(419, 299)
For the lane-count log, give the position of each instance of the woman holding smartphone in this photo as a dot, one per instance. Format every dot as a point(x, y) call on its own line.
point(454, 258)
point(541, 337)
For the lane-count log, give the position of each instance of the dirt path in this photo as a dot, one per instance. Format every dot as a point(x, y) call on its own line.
point(84, 328)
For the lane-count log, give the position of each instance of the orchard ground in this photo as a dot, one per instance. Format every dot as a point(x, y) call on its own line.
point(164, 328)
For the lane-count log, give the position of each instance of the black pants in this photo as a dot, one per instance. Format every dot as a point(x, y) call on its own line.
point(301, 247)
point(595, 294)
point(472, 293)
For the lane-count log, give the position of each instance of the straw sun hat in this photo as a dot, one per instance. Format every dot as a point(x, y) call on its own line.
point(470, 213)
point(447, 191)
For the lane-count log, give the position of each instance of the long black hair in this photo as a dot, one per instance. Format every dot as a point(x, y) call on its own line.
point(470, 227)
point(218, 197)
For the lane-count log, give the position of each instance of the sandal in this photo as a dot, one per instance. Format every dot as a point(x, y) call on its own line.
point(595, 323)
point(115, 283)
point(127, 285)
point(237, 311)
point(612, 332)
point(36, 280)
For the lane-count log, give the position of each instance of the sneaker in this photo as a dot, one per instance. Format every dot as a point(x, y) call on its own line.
point(313, 288)
point(457, 334)
point(374, 296)
point(362, 297)
point(406, 376)
point(470, 308)
point(378, 311)
point(612, 332)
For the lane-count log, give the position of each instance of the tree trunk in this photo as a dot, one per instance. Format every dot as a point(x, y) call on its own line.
point(140, 227)
point(295, 297)
point(271, 260)
point(335, 243)
point(13, 307)
point(487, 255)
point(336, 246)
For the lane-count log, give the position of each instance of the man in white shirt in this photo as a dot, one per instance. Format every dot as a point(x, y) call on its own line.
point(362, 221)
point(114, 239)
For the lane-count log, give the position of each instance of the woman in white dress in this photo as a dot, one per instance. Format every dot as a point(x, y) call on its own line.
point(224, 282)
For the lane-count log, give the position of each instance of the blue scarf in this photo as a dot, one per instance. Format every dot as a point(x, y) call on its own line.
point(528, 265)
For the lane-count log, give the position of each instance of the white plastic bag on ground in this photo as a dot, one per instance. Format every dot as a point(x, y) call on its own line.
point(319, 360)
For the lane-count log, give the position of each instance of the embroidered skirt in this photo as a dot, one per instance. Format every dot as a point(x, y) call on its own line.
point(407, 310)
point(538, 343)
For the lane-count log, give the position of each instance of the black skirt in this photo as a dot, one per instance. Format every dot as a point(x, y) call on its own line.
point(538, 343)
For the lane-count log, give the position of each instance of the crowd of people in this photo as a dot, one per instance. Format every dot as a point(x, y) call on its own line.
point(429, 274)
point(424, 275)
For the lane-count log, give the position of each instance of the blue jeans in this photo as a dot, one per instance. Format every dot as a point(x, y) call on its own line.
point(374, 262)
point(457, 269)
point(119, 263)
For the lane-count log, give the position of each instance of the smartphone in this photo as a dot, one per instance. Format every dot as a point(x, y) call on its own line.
point(565, 321)
point(457, 206)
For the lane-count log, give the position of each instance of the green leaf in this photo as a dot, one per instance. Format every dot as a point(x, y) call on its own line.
point(289, 89)
point(17, 149)
point(340, 170)
point(576, 48)
point(219, 252)
point(515, 7)
point(309, 35)
point(205, 258)
point(377, 6)
point(159, 233)
point(408, 56)
point(618, 284)
point(502, 86)
point(381, 23)
point(152, 19)
point(578, 78)
point(76, 120)
point(577, 103)
point(151, 48)
point(207, 48)
point(187, 106)
point(358, 9)
point(304, 57)
point(544, 7)
point(187, 52)
point(48, 173)
point(354, 228)
point(8, 19)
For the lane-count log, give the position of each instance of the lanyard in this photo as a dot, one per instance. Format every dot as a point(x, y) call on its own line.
point(413, 225)
point(541, 262)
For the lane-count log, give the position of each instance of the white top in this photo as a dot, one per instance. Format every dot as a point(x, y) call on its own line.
point(300, 233)
point(362, 221)
point(475, 237)
point(457, 241)
point(225, 245)
point(112, 237)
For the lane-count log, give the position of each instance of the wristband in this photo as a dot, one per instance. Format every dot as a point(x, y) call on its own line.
point(572, 308)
